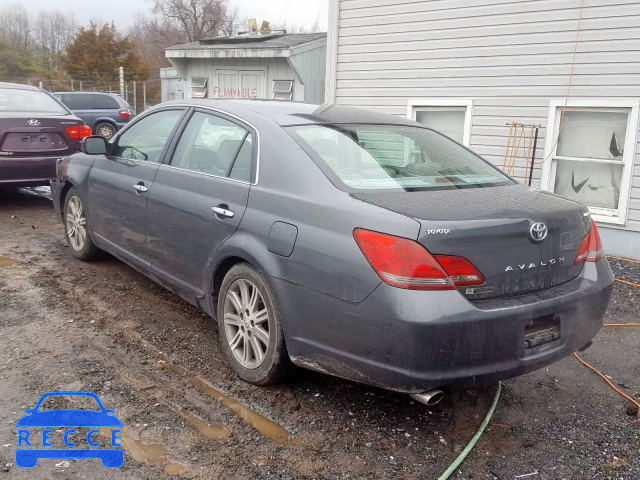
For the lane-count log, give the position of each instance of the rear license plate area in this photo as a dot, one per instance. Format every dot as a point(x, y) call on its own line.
point(541, 331)
point(33, 142)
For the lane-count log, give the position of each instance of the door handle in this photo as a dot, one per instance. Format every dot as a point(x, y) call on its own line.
point(140, 188)
point(223, 211)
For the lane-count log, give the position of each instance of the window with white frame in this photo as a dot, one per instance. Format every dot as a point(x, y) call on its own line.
point(590, 154)
point(198, 87)
point(449, 116)
point(282, 89)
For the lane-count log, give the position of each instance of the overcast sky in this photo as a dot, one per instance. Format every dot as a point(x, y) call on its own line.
point(294, 12)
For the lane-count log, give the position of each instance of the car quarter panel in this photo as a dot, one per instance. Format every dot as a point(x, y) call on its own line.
point(325, 257)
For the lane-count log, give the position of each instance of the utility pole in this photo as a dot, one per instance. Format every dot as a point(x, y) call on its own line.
point(122, 82)
point(126, 92)
point(144, 96)
point(135, 99)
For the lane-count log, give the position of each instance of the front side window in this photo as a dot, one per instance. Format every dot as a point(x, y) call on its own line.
point(146, 138)
point(215, 146)
point(381, 157)
point(592, 158)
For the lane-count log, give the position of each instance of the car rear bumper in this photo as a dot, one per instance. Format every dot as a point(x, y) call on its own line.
point(411, 341)
point(27, 171)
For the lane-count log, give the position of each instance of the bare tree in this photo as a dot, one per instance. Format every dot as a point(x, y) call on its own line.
point(232, 22)
point(198, 19)
point(15, 27)
point(284, 25)
point(53, 31)
point(153, 35)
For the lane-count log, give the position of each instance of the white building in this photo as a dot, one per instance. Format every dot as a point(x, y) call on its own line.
point(172, 86)
point(256, 65)
point(469, 68)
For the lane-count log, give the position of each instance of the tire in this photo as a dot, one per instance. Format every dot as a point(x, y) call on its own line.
point(75, 220)
point(248, 330)
point(106, 130)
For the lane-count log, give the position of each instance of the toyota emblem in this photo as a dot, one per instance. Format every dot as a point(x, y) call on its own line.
point(538, 231)
point(33, 122)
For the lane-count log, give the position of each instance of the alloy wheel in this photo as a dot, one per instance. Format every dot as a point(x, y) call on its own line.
point(105, 131)
point(246, 323)
point(76, 223)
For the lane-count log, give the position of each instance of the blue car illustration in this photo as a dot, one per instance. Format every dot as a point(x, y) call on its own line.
point(68, 419)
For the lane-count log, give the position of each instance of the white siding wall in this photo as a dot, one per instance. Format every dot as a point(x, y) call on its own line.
point(311, 65)
point(511, 57)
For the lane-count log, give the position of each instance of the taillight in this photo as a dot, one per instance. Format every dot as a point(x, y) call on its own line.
point(78, 132)
point(404, 263)
point(590, 248)
point(460, 270)
point(125, 114)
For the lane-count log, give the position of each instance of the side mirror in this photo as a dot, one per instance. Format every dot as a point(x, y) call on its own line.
point(94, 145)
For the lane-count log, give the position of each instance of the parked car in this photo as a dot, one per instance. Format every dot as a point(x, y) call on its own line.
point(35, 130)
point(355, 243)
point(105, 113)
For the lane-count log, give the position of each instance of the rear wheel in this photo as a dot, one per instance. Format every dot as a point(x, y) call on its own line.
point(76, 228)
point(105, 130)
point(250, 329)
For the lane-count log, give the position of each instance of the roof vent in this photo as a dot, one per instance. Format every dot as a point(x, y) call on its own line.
point(252, 35)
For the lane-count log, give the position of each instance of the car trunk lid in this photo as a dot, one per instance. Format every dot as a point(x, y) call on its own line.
point(37, 136)
point(499, 230)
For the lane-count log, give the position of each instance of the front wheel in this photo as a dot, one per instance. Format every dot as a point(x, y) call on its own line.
point(250, 329)
point(76, 228)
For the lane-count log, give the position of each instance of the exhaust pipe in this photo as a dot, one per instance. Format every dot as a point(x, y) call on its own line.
point(430, 397)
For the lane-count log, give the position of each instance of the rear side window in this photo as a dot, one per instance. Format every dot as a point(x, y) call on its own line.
point(390, 157)
point(146, 138)
point(32, 101)
point(105, 102)
point(216, 146)
point(78, 101)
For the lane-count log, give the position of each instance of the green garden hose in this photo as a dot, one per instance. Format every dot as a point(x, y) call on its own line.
point(454, 466)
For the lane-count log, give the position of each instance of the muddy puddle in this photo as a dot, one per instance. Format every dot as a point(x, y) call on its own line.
point(174, 468)
point(263, 425)
point(138, 450)
point(6, 262)
point(212, 432)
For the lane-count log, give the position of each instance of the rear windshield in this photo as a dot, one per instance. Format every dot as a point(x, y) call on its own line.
point(384, 157)
point(32, 101)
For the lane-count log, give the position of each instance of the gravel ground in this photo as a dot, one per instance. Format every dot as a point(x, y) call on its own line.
point(103, 327)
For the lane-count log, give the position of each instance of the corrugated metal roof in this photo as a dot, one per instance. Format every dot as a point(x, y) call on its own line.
point(270, 42)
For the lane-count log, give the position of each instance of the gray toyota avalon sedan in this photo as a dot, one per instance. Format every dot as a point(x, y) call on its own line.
point(346, 241)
